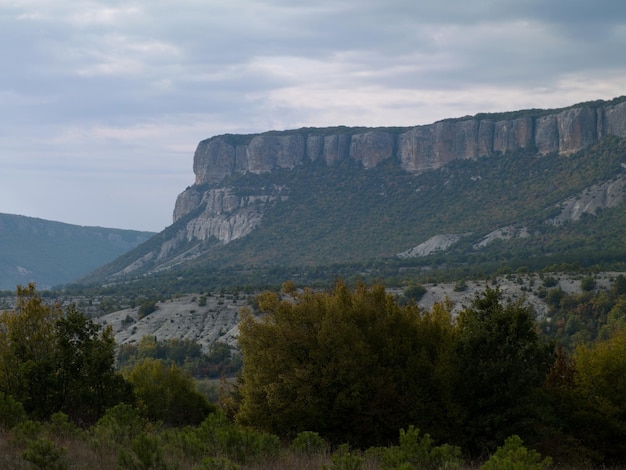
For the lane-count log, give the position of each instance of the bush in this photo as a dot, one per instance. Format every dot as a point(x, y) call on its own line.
point(417, 451)
point(222, 437)
point(11, 412)
point(460, 286)
point(343, 459)
point(216, 463)
point(587, 283)
point(309, 443)
point(144, 454)
point(146, 308)
point(44, 454)
point(414, 292)
point(514, 456)
point(168, 394)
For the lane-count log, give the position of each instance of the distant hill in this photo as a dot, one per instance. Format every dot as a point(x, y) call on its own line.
point(53, 253)
point(470, 195)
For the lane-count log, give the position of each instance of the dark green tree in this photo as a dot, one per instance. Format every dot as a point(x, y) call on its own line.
point(87, 383)
point(502, 363)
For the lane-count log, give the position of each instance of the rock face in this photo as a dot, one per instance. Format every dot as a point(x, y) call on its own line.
point(226, 217)
point(418, 148)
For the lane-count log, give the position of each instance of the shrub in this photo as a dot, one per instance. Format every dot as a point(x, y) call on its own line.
point(309, 443)
point(216, 463)
point(587, 283)
point(222, 437)
point(146, 308)
point(460, 286)
point(44, 454)
point(343, 459)
point(514, 456)
point(415, 451)
point(144, 454)
point(414, 292)
point(11, 412)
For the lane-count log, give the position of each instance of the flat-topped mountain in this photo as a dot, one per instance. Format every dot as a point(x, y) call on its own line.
point(315, 197)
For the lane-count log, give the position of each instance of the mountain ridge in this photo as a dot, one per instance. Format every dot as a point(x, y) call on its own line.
point(52, 253)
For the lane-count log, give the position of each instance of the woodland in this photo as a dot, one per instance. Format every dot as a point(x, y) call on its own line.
point(338, 378)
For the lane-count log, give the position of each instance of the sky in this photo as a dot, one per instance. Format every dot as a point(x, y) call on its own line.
point(102, 103)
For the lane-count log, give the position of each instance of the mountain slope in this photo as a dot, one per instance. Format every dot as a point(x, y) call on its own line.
point(52, 253)
point(550, 190)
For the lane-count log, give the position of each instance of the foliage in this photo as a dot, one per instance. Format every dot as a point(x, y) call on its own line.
point(144, 454)
point(184, 353)
point(309, 442)
point(514, 456)
point(414, 292)
point(53, 361)
point(216, 463)
point(343, 459)
point(349, 365)
point(167, 393)
point(11, 412)
point(45, 455)
point(146, 308)
point(417, 451)
point(502, 362)
point(593, 314)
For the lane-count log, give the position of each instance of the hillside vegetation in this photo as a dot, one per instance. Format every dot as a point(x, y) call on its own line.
point(53, 253)
point(321, 388)
point(343, 220)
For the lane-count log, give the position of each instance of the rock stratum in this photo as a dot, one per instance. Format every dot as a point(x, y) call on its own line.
point(227, 217)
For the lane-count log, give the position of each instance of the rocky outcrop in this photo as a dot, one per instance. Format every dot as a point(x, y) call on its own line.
point(417, 148)
point(591, 201)
point(435, 244)
point(223, 216)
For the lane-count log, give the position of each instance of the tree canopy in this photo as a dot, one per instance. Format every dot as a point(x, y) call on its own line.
point(357, 366)
point(55, 360)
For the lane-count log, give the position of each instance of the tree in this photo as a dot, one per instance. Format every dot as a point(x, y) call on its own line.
point(52, 361)
point(28, 352)
point(600, 387)
point(353, 366)
point(502, 362)
point(168, 394)
point(87, 383)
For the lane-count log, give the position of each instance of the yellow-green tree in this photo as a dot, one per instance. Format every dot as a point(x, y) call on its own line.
point(167, 393)
point(28, 351)
point(352, 366)
point(600, 389)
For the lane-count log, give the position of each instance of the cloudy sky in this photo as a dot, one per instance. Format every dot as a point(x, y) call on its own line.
point(102, 103)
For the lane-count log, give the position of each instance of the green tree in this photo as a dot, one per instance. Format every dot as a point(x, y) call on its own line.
point(502, 362)
point(87, 383)
point(53, 361)
point(353, 366)
point(514, 456)
point(168, 393)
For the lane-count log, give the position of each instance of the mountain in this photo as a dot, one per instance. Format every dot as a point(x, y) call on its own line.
point(532, 186)
point(53, 253)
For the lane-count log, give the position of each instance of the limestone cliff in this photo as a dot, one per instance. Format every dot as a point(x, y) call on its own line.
point(418, 148)
point(226, 216)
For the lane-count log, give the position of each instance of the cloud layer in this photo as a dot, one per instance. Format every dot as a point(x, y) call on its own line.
point(102, 103)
